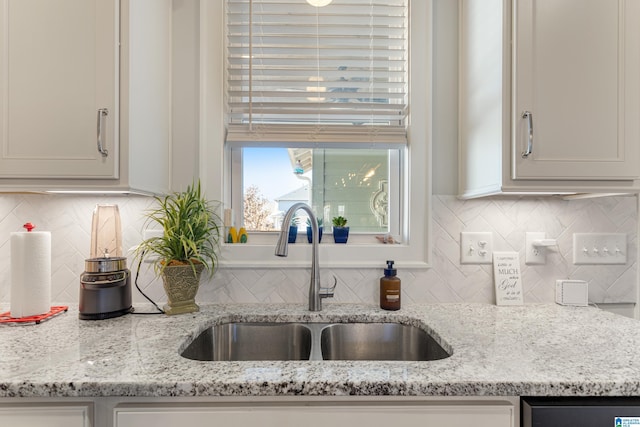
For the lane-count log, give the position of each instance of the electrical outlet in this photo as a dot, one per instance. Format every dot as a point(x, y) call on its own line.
point(476, 247)
point(599, 248)
point(535, 255)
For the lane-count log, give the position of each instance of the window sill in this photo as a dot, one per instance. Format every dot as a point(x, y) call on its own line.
point(331, 255)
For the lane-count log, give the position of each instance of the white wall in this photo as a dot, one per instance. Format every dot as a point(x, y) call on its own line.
point(184, 91)
point(445, 103)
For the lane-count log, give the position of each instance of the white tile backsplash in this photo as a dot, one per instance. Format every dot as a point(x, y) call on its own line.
point(69, 220)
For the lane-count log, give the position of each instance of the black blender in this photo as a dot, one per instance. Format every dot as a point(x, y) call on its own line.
point(105, 285)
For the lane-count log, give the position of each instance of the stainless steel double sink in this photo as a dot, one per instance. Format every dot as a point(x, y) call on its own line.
point(240, 341)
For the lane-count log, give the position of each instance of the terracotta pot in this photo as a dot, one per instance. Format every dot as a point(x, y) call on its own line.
point(181, 287)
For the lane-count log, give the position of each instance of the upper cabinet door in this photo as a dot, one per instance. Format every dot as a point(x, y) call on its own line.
point(577, 74)
point(59, 88)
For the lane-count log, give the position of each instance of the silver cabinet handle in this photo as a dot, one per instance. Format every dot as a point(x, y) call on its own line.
point(528, 115)
point(102, 112)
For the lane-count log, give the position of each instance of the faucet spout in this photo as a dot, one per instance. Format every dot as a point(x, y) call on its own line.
point(315, 292)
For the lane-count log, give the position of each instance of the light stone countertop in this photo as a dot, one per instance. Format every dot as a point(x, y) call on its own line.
point(497, 351)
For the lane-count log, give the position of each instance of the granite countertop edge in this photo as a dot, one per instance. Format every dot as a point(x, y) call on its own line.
point(532, 350)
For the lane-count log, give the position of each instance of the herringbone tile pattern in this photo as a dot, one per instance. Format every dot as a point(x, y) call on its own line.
point(69, 220)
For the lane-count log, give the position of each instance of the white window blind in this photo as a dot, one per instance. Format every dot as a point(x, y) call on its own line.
point(306, 76)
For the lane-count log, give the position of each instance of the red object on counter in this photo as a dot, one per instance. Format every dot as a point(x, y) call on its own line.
point(55, 310)
point(29, 226)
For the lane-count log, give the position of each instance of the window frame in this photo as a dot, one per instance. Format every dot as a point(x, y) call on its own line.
point(215, 158)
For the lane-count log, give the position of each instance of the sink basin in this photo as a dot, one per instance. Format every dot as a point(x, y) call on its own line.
point(251, 341)
point(313, 341)
point(378, 341)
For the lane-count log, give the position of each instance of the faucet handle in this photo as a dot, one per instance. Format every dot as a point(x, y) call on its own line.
point(328, 292)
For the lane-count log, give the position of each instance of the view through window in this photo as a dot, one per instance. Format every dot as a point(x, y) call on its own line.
point(353, 183)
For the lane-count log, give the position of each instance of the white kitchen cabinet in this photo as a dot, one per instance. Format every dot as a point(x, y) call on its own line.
point(281, 411)
point(43, 415)
point(346, 415)
point(85, 95)
point(60, 75)
point(559, 77)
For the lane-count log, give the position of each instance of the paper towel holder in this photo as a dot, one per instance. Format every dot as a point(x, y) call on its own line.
point(30, 272)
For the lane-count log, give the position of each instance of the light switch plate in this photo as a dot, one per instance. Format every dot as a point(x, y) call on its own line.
point(476, 247)
point(599, 248)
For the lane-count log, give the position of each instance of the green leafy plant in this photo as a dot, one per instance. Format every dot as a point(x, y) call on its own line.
point(191, 231)
point(295, 220)
point(339, 221)
point(319, 220)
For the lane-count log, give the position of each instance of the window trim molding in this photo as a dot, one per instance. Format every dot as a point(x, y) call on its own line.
point(415, 253)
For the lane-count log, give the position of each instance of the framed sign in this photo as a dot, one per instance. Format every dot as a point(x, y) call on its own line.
point(507, 280)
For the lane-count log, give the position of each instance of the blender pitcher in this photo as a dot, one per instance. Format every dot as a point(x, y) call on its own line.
point(106, 232)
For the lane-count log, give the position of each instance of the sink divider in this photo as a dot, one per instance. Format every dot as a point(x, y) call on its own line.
point(316, 333)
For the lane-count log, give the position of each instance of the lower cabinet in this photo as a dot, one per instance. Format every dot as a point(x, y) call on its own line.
point(285, 411)
point(44, 415)
point(345, 415)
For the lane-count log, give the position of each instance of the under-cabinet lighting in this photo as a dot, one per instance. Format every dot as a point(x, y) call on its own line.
point(594, 195)
point(99, 192)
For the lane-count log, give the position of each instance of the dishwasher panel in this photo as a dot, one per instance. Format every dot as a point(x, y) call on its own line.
point(580, 411)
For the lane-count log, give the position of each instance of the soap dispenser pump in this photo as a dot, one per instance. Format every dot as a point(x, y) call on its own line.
point(390, 289)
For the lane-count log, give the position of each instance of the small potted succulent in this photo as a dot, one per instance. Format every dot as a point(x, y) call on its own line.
point(340, 229)
point(293, 229)
point(310, 229)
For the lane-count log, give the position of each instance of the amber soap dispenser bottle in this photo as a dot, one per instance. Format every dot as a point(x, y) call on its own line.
point(390, 288)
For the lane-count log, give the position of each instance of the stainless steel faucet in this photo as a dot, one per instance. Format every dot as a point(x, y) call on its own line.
point(316, 292)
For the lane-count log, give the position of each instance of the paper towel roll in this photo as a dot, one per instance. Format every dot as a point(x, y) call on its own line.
point(30, 273)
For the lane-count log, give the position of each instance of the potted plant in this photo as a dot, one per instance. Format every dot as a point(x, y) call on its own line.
point(293, 228)
point(188, 245)
point(340, 229)
point(310, 229)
